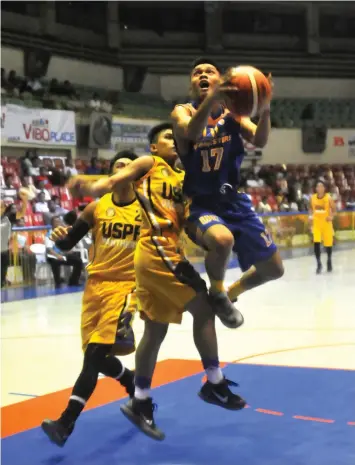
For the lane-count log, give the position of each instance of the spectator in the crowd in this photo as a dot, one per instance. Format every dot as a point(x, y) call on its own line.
point(263, 206)
point(41, 206)
point(335, 195)
point(56, 258)
point(28, 188)
point(350, 203)
point(70, 169)
point(51, 213)
point(34, 170)
point(95, 102)
point(12, 83)
point(43, 175)
point(58, 208)
point(26, 163)
point(21, 249)
point(254, 181)
point(8, 191)
point(42, 188)
point(94, 167)
point(68, 89)
point(9, 215)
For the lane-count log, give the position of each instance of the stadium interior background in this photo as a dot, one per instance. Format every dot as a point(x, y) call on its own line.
point(82, 80)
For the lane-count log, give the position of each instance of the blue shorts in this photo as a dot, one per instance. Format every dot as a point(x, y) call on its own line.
point(252, 243)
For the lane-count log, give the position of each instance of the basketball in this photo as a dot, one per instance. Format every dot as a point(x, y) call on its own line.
point(253, 90)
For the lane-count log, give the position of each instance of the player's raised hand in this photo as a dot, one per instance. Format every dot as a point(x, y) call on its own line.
point(267, 104)
point(59, 233)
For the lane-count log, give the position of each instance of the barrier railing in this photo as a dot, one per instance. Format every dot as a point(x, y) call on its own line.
point(25, 262)
point(290, 230)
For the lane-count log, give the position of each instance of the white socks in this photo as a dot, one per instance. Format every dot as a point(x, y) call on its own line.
point(214, 375)
point(141, 394)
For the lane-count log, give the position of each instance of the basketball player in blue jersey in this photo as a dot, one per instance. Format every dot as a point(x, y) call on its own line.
point(210, 145)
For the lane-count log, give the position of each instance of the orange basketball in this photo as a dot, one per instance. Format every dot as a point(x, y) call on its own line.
point(253, 90)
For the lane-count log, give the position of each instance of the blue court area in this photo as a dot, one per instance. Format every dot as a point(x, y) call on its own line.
point(201, 434)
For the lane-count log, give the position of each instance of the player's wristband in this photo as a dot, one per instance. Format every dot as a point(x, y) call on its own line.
point(75, 234)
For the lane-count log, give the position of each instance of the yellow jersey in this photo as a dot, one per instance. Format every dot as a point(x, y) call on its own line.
point(321, 207)
point(115, 234)
point(160, 194)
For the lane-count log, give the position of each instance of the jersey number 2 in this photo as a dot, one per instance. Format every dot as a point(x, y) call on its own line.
point(217, 153)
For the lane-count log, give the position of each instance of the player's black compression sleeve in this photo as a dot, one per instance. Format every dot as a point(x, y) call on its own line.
point(75, 234)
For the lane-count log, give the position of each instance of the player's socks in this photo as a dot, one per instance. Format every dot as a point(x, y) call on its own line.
point(317, 254)
point(216, 286)
point(113, 368)
point(329, 261)
point(141, 413)
point(235, 290)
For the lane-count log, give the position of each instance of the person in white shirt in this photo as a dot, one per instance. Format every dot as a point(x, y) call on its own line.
point(70, 169)
point(41, 206)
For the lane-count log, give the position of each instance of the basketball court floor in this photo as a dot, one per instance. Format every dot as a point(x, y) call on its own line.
point(294, 360)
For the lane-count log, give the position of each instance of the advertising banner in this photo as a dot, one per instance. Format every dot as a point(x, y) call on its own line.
point(38, 126)
point(128, 133)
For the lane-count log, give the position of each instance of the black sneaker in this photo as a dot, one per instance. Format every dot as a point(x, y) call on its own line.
point(140, 413)
point(329, 266)
point(319, 268)
point(57, 433)
point(127, 381)
point(221, 395)
point(225, 310)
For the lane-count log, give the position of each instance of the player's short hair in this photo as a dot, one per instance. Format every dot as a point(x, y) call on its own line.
point(205, 61)
point(122, 154)
point(156, 130)
point(321, 181)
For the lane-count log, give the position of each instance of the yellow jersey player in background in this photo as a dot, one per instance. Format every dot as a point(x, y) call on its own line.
point(167, 284)
point(109, 300)
point(322, 209)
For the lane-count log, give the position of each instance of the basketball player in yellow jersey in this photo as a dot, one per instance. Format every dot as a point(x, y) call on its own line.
point(322, 209)
point(109, 300)
point(167, 284)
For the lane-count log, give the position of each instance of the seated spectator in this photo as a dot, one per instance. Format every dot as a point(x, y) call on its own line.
point(70, 169)
point(263, 206)
point(94, 167)
point(8, 191)
point(13, 83)
point(28, 188)
point(254, 181)
point(58, 208)
point(41, 206)
point(350, 203)
point(43, 176)
point(42, 188)
point(56, 258)
point(51, 213)
point(21, 249)
point(95, 102)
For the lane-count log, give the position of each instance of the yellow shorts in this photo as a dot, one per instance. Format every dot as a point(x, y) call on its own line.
point(323, 232)
point(107, 315)
point(166, 281)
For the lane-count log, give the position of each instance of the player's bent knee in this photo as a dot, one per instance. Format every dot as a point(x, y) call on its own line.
point(219, 239)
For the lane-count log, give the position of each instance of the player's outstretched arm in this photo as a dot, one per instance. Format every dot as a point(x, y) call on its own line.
point(132, 172)
point(68, 237)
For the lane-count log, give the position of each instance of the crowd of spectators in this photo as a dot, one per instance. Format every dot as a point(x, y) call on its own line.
point(289, 188)
point(53, 93)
